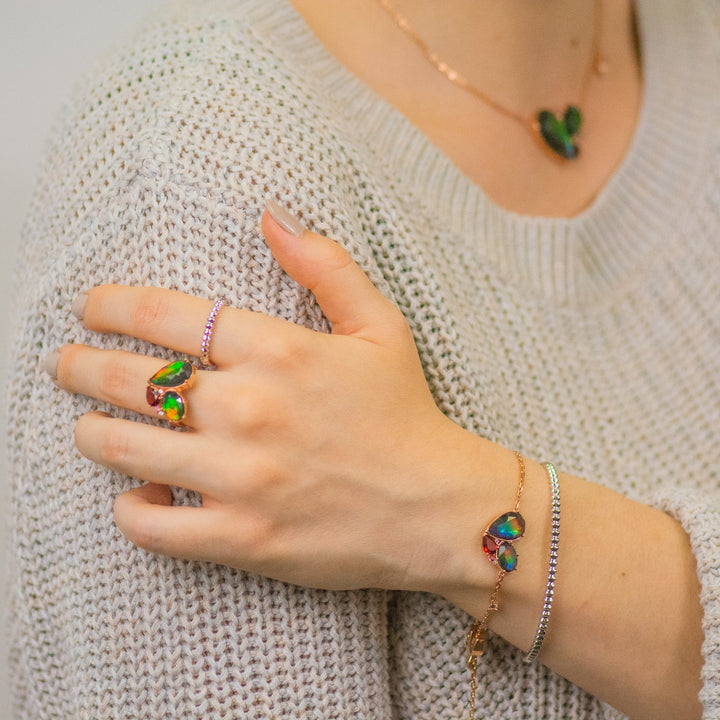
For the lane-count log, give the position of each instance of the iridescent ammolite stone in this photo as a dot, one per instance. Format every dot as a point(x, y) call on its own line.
point(506, 557)
point(172, 404)
point(509, 526)
point(172, 375)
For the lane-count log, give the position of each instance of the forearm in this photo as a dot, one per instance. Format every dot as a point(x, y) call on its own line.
point(626, 618)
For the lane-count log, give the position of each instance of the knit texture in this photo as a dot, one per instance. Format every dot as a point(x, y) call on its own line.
point(593, 342)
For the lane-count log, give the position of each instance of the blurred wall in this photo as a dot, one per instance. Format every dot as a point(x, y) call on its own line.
point(45, 46)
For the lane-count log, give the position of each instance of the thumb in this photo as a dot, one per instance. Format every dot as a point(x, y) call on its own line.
point(349, 300)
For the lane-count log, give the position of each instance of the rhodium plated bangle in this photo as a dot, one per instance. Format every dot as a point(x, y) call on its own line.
point(552, 567)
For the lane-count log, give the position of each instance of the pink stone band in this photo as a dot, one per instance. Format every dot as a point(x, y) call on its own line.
point(207, 333)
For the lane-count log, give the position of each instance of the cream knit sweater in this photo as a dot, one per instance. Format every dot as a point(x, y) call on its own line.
point(593, 342)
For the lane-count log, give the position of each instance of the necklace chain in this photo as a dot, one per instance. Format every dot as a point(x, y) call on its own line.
point(596, 64)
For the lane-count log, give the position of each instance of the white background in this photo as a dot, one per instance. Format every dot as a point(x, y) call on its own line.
point(45, 47)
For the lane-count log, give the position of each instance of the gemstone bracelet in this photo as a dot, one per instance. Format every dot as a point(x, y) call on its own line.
point(497, 543)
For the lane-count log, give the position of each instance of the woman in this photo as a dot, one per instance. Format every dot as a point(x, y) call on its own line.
point(558, 297)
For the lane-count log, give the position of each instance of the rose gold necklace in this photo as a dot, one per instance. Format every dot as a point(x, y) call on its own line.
point(556, 134)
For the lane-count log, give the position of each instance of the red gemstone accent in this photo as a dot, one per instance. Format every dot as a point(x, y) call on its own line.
point(490, 547)
point(152, 396)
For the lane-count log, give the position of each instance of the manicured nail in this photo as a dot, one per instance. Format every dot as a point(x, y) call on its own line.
point(285, 219)
point(78, 305)
point(50, 364)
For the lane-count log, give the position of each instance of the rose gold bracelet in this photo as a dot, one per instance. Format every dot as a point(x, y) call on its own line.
point(497, 544)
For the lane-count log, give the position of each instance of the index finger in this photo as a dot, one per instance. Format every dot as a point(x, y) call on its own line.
point(169, 318)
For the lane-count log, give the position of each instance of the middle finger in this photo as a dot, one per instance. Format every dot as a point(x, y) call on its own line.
point(120, 378)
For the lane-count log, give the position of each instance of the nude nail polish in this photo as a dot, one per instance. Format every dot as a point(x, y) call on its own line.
point(285, 219)
point(50, 364)
point(78, 305)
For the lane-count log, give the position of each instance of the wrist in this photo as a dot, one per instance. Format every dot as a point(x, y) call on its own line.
point(523, 590)
point(481, 479)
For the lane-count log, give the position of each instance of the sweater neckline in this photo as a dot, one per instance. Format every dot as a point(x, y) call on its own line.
point(568, 261)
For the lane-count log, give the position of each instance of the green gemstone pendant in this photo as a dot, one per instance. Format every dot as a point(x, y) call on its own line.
point(558, 134)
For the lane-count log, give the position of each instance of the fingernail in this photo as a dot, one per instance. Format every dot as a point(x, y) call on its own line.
point(285, 219)
point(50, 364)
point(78, 305)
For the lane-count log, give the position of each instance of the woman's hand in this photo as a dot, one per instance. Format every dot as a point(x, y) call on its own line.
point(320, 459)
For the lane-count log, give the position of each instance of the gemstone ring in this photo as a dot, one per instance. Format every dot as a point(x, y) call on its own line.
point(165, 388)
point(208, 333)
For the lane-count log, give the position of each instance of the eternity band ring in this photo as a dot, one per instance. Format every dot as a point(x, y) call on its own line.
point(208, 333)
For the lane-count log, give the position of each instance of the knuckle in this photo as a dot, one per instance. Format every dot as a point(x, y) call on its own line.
point(115, 448)
point(337, 256)
point(140, 532)
point(263, 471)
point(137, 527)
point(253, 412)
point(151, 311)
point(279, 349)
point(338, 260)
point(116, 380)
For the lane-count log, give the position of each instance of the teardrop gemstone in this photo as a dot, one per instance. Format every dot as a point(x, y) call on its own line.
point(173, 405)
point(572, 119)
point(509, 526)
point(173, 375)
point(506, 557)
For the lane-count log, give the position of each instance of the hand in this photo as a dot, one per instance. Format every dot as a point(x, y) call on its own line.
point(321, 459)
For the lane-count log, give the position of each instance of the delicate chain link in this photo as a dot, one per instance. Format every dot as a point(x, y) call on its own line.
point(595, 64)
point(521, 480)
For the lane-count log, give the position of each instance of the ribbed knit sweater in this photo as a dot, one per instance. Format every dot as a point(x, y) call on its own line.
point(592, 341)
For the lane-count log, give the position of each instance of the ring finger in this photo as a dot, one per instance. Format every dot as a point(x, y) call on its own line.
point(120, 378)
point(132, 449)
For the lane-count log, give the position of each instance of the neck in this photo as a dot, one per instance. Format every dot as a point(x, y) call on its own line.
point(523, 62)
point(525, 53)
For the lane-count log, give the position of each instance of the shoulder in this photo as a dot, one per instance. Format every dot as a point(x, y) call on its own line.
point(167, 152)
point(214, 102)
point(208, 78)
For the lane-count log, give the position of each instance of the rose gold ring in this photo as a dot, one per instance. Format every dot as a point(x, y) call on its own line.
point(208, 332)
point(165, 390)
